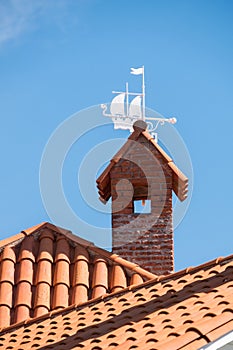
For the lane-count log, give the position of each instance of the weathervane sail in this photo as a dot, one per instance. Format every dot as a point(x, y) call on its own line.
point(124, 114)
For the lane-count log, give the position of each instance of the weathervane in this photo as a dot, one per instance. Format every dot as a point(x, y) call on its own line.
point(124, 114)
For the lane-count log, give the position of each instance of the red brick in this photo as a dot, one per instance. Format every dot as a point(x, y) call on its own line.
point(151, 247)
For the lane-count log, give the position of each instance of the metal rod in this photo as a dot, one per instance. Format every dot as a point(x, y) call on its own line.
point(162, 119)
point(129, 93)
point(127, 98)
point(143, 94)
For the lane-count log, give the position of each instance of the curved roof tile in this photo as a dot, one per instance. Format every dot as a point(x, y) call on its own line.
point(184, 310)
point(47, 268)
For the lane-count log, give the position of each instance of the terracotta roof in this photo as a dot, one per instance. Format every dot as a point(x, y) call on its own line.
point(179, 180)
point(184, 310)
point(48, 268)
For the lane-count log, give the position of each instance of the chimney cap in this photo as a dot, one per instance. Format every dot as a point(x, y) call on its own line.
point(140, 125)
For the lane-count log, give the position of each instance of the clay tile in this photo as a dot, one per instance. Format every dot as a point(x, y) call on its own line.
point(23, 294)
point(60, 296)
point(114, 256)
point(46, 233)
point(136, 279)
point(189, 269)
point(81, 253)
point(62, 249)
point(26, 251)
point(32, 229)
point(218, 332)
point(145, 273)
point(40, 311)
point(42, 297)
point(179, 341)
point(6, 294)
point(22, 313)
point(196, 344)
point(118, 280)
point(81, 270)
point(8, 254)
point(61, 274)
point(80, 294)
point(44, 272)
point(25, 271)
point(7, 271)
point(4, 316)
point(46, 247)
point(100, 277)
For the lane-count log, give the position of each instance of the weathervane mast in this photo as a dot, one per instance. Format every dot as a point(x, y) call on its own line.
point(143, 94)
point(137, 71)
point(124, 114)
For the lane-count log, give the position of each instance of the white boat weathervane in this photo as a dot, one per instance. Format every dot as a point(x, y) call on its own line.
point(124, 114)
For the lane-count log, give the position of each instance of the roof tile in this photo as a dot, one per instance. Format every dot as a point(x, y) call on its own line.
point(53, 270)
point(26, 251)
point(4, 316)
point(46, 246)
point(7, 264)
point(184, 310)
point(80, 281)
point(219, 331)
point(169, 313)
point(118, 281)
point(178, 342)
point(42, 299)
point(136, 279)
point(100, 278)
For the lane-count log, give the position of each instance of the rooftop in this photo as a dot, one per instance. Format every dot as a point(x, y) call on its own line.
point(185, 310)
point(47, 268)
point(179, 180)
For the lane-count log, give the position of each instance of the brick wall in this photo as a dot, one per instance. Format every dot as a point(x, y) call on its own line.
point(146, 239)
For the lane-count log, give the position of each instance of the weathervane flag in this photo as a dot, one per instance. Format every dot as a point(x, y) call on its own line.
point(137, 71)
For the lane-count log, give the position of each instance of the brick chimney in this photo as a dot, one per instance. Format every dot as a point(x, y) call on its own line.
point(141, 175)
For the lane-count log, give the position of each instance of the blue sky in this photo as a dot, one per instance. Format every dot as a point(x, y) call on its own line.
point(60, 57)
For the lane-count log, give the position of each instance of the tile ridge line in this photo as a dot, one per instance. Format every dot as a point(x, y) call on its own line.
point(135, 268)
point(21, 234)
